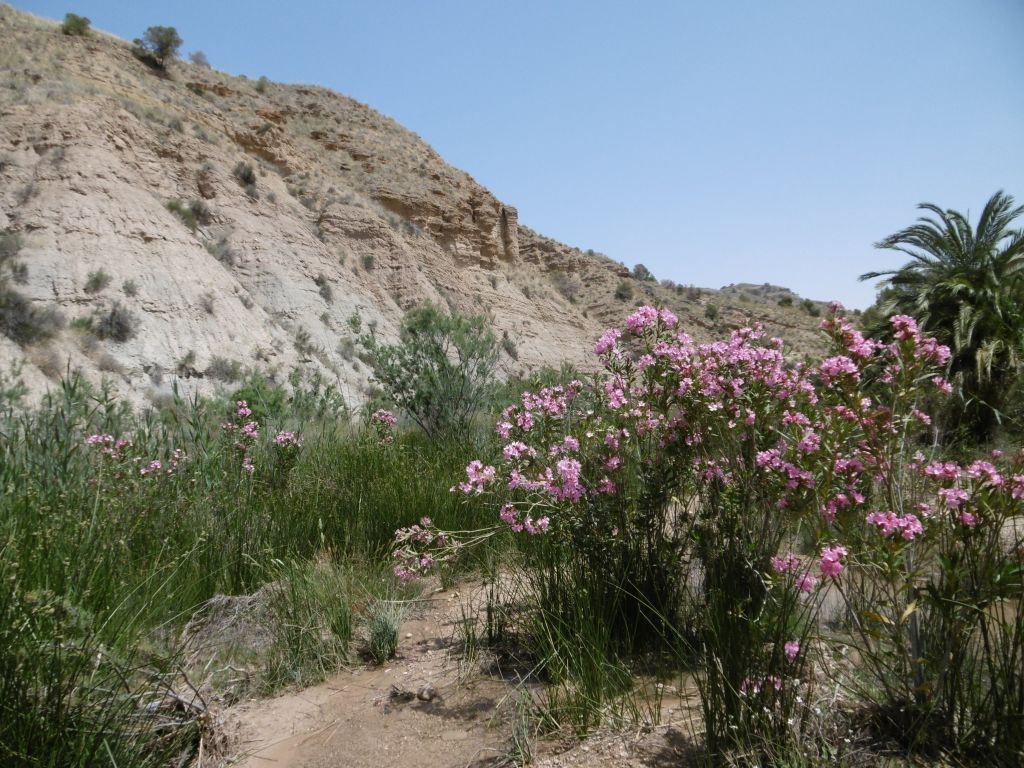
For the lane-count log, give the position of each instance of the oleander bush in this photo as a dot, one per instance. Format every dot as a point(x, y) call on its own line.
point(706, 500)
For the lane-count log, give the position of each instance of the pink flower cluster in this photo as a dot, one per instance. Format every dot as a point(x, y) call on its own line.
point(383, 423)
point(419, 549)
point(108, 446)
point(152, 468)
point(511, 517)
point(832, 561)
point(753, 687)
point(908, 526)
point(803, 580)
point(248, 433)
point(287, 440)
point(477, 477)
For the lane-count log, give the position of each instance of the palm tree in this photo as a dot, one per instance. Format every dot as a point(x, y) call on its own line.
point(965, 286)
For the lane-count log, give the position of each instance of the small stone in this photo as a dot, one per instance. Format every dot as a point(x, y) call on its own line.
point(408, 635)
point(427, 693)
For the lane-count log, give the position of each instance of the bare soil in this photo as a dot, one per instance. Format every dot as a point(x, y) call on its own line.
point(431, 706)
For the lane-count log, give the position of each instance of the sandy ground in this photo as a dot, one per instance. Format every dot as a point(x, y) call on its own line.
point(432, 708)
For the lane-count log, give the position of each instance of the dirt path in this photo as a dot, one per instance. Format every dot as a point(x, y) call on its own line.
point(424, 708)
point(432, 708)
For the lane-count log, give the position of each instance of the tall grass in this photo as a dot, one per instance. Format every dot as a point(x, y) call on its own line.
point(102, 556)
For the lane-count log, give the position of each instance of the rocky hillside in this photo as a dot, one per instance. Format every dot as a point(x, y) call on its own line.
point(182, 227)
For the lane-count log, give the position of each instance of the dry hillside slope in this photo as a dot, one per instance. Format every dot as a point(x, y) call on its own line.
point(347, 212)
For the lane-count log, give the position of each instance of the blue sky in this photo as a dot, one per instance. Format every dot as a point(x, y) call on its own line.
point(715, 142)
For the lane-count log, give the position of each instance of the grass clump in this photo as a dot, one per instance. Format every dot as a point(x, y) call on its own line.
point(383, 624)
point(224, 369)
point(192, 213)
point(20, 319)
point(311, 605)
point(97, 281)
point(117, 323)
point(246, 177)
point(75, 25)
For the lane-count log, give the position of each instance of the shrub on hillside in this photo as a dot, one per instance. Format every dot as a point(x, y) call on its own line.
point(157, 46)
point(24, 323)
point(440, 370)
point(20, 320)
point(624, 291)
point(246, 176)
point(75, 25)
point(117, 323)
point(199, 59)
point(640, 272)
point(191, 212)
point(224, 369)
point(97, 281)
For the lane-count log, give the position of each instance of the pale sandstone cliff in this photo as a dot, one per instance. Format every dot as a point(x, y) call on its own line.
point(350, 213)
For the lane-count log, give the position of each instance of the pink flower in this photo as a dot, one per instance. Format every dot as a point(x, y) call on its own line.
point(788, 564)
point(384, 418)
point(908, 526)
point(968, 518)
point(836, 367)
point(831, 560)
point(607, 341)
point(517, 450)
point(792, 649)
point(153, 466)
point(805, 583)
point(954, 497)
point(478, 476)
point(243, 408)
point(643, 318)
point(904, 326)
point(287, 439)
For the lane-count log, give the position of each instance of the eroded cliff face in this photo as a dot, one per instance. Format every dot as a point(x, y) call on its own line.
point(349, 213)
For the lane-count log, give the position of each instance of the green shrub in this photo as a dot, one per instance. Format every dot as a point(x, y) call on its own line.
point(246, 176)
point(192, 213)
point(786, 301)
point(97, 281)
point(711, 312)
point(75, 25)
point(640, 272)
point(130, 288)
point(24, 323)
point(262, 84)
point(157, 46)
point(221, 250)
point(224, 369)
point(199, 59)
point(312, 627)
point(117, 323)
point(624, 291)
point(810, 308)
point(440, 370)
point(509, 346)
point(325, 288)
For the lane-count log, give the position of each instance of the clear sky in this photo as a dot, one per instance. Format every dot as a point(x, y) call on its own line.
point(715, 142)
